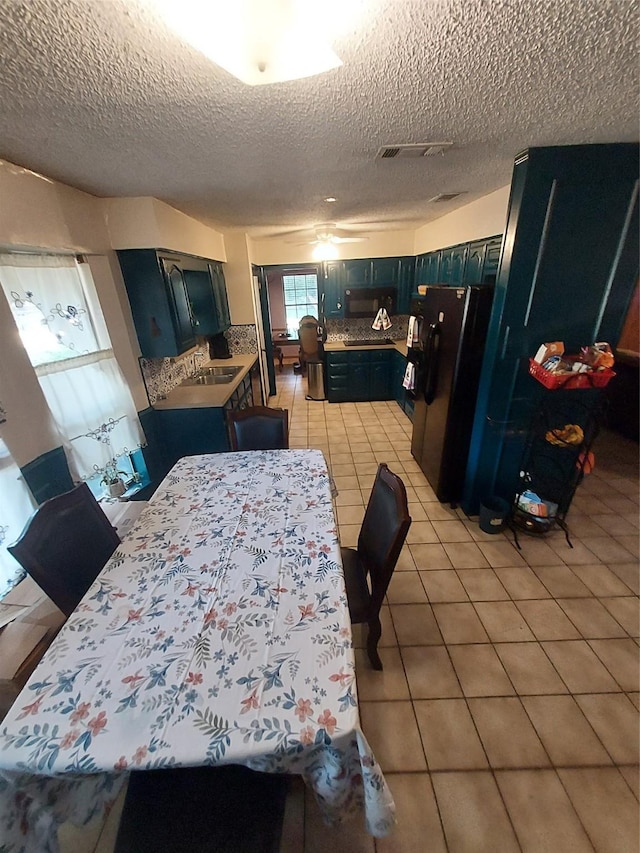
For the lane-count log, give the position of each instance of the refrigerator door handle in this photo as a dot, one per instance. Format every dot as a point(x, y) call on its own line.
point(432, 359)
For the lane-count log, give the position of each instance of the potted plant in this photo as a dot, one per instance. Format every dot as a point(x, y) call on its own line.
point(114, 486)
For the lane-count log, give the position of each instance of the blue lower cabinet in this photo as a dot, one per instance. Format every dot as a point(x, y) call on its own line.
point(187, 432)
point(359, 376)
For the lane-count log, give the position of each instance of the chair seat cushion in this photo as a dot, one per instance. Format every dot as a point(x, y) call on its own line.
point(355, 578)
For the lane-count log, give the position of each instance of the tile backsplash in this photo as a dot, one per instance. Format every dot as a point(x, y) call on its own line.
point(162, 375)
point(343, 330)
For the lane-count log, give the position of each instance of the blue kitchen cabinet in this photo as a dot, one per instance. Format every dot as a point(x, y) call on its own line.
point(380, 374)
point(171, 297)
point(406, 279)
point(427, 268)
point(475, 262)
point(385, 272)
point(491, 260)
point(567, 272)
point(359, 375)
point(452, 265)
point(331, 290)
point(357, 273)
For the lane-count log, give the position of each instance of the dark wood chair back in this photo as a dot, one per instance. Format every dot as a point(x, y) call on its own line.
point(368, 569)
point(65, 545)
point(258, 428)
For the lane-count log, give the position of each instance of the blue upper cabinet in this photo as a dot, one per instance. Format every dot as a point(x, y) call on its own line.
point(357, 273)
point(331, 289)
point(428, 268)
point(406, 279)
point(475, 262)
point(173, 298)
point(385, 272)
point(452, 265)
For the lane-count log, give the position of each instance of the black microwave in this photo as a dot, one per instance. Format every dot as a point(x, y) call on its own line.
point(367, 301)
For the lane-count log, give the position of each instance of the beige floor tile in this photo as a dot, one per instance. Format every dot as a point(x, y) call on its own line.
point(547, 620)
point(349, 497)
point(425, 493)
point(631, 543)
point(628, 574)
point(388, 638)
point(564, 731)
point(632, 777)
point(529, 669)
point(626, 611)
point(415, 625)
point(503, 622)
point(360, 446)
point(405, 561)
point(500, 554)
point(579, 555)
point(459, 623)
point(430, 673)
point(601, 580)
point(449, 737)
point(366, 468)
point(443, 585)
point(482, 585)
point(506, 733)
point(374, 685)
point(621, 659)
point(561, 582)
point(579, 667)
point(615, 721)
point(349, 535)
point(346, 482)
point(417, 512)
point(343, 470)
point(406, 588)
point(465, 555)
point(541, 812)
point(480, 671)
point(417, 815)
point(606, 807)
point(451, 531)
point(361, 457)
point(320, 838)
point(607, 549)
point(350, 514)
point(392, 733)
point(635, 698)
point(441, 512)
point(521, 583)
point(429, 557)
point(591, 618)
point(536, 552)
point(473, 814)
point(421, 532)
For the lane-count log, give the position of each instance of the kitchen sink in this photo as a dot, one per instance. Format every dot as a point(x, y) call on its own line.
point(214, 375)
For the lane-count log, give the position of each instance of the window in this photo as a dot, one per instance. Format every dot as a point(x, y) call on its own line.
point(300, 298)
point(56, 309)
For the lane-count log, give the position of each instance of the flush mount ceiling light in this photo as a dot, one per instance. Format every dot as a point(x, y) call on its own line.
point(258, 41)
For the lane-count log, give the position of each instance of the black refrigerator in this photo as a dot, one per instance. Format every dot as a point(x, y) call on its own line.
point(447, 348)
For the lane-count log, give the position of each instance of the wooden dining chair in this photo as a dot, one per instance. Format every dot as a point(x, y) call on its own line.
point(258, 428)
point(65, 544)
point(368, 570)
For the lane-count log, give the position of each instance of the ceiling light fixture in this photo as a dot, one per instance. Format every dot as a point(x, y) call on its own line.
point(258, 41)
point(325, 251)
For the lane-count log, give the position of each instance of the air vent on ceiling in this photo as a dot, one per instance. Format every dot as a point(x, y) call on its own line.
point(444, 197)
point(412, 150)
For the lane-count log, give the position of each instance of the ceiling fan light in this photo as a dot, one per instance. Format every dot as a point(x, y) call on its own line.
point(325, 251)
point(258, 41)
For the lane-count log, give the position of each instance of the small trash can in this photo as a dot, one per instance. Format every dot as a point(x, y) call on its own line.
point(315, 380)
point(493, 514)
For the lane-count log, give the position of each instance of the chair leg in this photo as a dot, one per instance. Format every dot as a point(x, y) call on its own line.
point(375, 631)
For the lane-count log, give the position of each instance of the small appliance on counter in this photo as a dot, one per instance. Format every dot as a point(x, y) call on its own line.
point(365, 302)
point(218, 346)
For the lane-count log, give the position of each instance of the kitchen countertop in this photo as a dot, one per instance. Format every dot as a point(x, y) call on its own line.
point(338, 346)
point(208, 396)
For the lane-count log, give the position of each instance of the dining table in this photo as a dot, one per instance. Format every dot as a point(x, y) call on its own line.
point(217, 633)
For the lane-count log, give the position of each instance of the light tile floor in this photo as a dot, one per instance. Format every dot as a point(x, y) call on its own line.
point(506, 717)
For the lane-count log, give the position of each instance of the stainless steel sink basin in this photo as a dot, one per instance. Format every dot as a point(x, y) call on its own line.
point(214, 375)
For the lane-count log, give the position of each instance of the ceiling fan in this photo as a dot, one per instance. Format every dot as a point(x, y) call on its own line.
point(326, 233)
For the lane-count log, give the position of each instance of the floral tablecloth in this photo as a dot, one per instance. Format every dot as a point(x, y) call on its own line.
point(217, 633)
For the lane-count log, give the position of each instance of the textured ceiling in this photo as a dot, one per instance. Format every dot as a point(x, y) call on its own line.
point(100, 95)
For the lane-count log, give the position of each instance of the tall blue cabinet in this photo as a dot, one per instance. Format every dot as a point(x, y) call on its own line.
point(567, 272)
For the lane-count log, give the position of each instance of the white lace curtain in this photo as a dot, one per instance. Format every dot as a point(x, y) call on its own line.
point(55, 306)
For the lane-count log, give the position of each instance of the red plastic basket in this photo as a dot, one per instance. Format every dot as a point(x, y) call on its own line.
point(553, 381)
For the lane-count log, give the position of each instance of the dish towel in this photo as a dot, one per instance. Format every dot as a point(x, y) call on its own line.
point(413, 331)
point(381, 321)
point(409, 381)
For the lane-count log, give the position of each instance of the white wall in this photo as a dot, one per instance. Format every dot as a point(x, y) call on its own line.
point(147, 223)
point(237, 274)
point(484, 217)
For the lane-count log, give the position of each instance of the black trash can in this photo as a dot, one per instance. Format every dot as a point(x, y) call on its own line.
point(493, 514)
